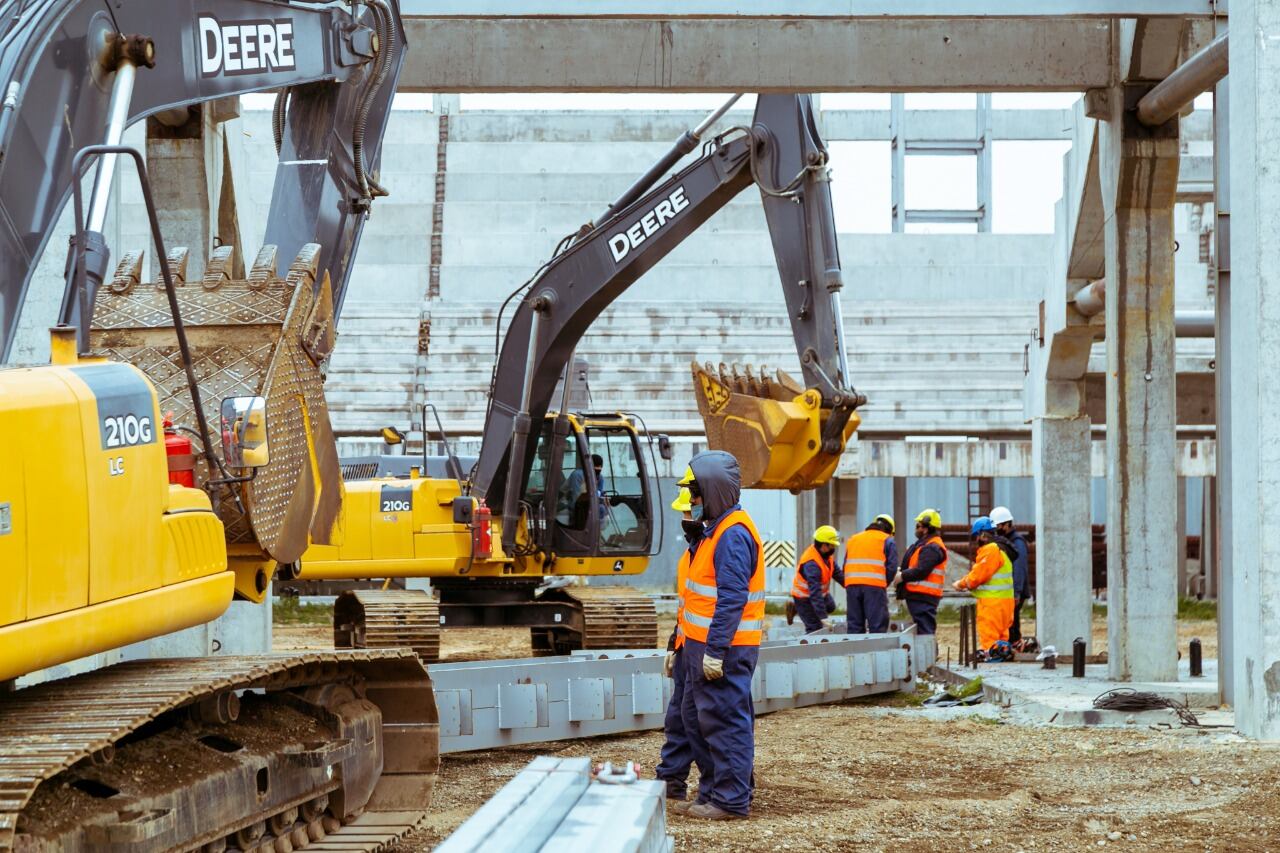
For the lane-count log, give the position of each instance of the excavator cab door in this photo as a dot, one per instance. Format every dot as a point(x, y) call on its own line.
point(589, 489)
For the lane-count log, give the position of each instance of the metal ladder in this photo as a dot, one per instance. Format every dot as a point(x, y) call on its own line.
point(902, 145)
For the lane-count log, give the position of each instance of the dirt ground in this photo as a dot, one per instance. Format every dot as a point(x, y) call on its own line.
point(880, 775)
point(897, 781)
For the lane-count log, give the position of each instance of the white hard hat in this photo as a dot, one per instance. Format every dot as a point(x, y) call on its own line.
point(1000, 515)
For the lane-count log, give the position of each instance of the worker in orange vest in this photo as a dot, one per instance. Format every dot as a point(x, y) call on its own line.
point(924, 572)
point(677, 755)
point(870, 563)
point(990, 580)
point(811, 587)
point(722, 621)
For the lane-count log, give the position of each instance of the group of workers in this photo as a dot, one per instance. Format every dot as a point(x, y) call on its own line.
point(712, 653)
point(997, 579)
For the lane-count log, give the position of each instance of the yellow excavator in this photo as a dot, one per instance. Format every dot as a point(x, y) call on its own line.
point(555, 494)
point(118, 526)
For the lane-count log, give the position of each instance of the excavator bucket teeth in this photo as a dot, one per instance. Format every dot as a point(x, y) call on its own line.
point(262, 336)
point(775, 434)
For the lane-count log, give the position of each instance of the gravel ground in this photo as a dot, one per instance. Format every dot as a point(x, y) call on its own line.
point(879, 775)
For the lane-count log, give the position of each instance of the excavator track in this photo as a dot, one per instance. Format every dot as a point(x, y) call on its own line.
point(390, 618)
point(613, 617)
point(324, 750)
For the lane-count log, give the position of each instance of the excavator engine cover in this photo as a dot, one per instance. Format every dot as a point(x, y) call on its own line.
point(772, 426)
point(265, 336)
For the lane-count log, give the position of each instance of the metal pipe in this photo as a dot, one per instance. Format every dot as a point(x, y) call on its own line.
point(1091, 300)
point(1198, 74)
point(1193, 324)
point(117, 118)
point(686, 143)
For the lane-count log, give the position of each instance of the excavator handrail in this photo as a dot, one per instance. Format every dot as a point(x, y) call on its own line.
point(78, 272)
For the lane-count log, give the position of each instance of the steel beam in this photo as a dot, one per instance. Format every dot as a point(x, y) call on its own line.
point(829, 9)
point(736, 54)
point(557, 804)
point(492, 704)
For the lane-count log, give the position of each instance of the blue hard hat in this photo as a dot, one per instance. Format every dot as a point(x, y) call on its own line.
point(982, 525)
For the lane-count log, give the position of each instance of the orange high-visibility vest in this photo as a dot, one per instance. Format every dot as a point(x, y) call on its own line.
point(933, 584)
point(827, 565)
point(864, 559)
point(682, 575)
point(700, 588)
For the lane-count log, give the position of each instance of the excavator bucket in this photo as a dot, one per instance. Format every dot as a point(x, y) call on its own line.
point(772, 425)
point(266, 335)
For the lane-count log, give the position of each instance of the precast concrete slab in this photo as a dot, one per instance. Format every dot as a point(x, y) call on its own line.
point(1041, 696)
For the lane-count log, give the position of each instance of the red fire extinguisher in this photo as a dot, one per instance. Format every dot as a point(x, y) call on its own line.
point(179, 454)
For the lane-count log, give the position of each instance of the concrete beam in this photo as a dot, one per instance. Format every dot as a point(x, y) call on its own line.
point(1139, 171)
point(767, 9)
point(736, 54)
point(1195, 457)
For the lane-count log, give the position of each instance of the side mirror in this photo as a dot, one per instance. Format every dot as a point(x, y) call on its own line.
point(665, 450)
point(392, 436)
point(244, 432)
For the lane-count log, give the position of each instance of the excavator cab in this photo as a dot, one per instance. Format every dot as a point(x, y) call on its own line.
point(589, 491)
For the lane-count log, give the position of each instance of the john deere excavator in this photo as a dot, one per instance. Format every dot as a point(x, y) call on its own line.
point(533, 506)
point(115, 528)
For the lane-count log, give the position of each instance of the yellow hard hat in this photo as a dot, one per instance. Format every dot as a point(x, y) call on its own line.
point(687, 478)
point(683, 502)
point(887, 519)
point(826, 535)
point(930, 517)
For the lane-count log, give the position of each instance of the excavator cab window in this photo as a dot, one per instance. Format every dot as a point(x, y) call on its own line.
point(626, 524)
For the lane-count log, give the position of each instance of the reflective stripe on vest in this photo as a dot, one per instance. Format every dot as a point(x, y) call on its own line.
point(1000, 584)
point(933, 584)
point(700, 592)
point(864, 559)
point(827, 566)
point(682, 575)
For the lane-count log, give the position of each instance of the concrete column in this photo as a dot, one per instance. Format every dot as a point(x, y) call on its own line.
point(1139, 172)
point(904, 531)
point(1064, 561)
point(1255, 357)
point(1210, 548)
point(806, 520)
point(187, 160)
point(1181, 538)
point(822, 505)
point(1218, 576)
point(844, 506)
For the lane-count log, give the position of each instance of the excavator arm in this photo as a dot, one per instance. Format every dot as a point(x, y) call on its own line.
point(72, 70)
point(785, 435)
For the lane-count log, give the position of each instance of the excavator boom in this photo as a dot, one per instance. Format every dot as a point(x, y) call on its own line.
point(789, 443)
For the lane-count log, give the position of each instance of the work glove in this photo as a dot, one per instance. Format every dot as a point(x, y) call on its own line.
point(712, 668)
point(669, 665)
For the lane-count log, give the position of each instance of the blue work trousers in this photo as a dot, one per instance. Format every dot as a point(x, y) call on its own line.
point(925, 615)
point(677, 754)
point(719, 720)
point(804, 609)
point(868, 609)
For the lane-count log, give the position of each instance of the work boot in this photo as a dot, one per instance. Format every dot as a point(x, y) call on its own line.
point(680, 806)
point(710, 811)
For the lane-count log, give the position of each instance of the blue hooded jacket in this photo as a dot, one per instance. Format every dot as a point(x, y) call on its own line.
point(720, 481)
